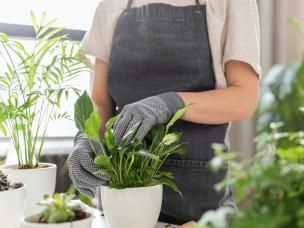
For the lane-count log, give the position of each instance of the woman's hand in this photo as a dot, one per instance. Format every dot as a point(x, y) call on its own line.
point(82, 169)
point(144, 114)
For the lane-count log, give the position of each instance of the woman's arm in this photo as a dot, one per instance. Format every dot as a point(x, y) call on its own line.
point(236, 102)
point(100, 95)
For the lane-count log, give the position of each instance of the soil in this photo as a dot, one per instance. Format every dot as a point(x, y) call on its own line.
point(16, 185)
point(79, 215)
point(40, 166)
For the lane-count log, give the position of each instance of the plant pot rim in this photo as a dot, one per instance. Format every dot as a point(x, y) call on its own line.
point(14, 190)
point(15, 166)
point(134, 188)
point(36, 224)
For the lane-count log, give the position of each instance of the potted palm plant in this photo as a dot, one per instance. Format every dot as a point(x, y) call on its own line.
point(60, 212)
point(33, 83)
point(134, 195)
point(12, 196)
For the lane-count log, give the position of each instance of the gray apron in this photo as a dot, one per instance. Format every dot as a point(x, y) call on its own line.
point(158, 48)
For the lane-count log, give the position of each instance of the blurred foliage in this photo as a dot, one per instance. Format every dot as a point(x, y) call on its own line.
point(282, 98)
point(271, 191)
point(83, 198)
point(282, 94)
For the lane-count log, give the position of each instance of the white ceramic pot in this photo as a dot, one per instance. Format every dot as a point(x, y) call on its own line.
point(39, 182)
point(32, 222)
point(12, 204)
point(132, 207)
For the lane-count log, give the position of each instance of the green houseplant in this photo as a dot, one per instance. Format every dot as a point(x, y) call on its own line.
point(134, 168)
point(60, 211)
point(12, 195)
point(271, 192)
point(33, 83)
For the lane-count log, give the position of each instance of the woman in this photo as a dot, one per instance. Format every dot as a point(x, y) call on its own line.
point(155, 56)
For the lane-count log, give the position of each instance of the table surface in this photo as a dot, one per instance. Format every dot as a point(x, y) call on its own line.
point(99, 222)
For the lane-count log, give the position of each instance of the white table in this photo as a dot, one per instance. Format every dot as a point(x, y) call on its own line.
point(99, 222)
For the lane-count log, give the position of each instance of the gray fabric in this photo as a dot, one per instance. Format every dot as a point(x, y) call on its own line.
point(82, 169)
point(144, 114)
point(158, 48)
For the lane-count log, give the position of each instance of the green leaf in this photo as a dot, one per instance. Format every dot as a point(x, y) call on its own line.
point(83, 109)
point(34, 21)
point(45, 28)
point(86, 200)
point(2, 129)
point(110, 123)
point(117, 186)
point(171, 138)
point(131, 132)
point(156, 135)
point(146, 153)
point(19, 127)
point(177, 116)
point(293, 153)
point(103, 161)
point(3, 37)
point(92, 126)
point(109, 140)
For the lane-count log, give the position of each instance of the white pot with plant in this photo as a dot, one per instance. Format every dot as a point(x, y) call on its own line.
point(33, 83)
point(12, 198)
point(133, 197)
point(60, 212)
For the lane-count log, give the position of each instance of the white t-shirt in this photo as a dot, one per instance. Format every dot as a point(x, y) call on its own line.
point(233, 27)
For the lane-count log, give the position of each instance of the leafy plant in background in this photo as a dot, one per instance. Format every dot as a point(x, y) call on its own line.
point(32, 84)
point(60, 208)
point(282, 94)
point(136, 164)
point(271, 191)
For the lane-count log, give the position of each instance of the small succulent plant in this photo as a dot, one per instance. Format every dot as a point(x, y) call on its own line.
point(4, 183)
point(60, 208)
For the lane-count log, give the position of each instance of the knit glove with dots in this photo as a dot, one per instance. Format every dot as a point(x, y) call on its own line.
point(82, 169)
point(144, 114)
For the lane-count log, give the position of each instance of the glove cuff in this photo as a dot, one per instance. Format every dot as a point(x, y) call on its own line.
point(173, 101)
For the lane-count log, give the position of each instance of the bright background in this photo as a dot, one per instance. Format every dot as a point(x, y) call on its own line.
point(279, 44)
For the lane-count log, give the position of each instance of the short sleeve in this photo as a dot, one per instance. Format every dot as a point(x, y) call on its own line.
point(95, 41)
point(242, 34)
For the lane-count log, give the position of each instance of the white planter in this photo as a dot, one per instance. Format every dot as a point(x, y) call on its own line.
point(12, 204)
point(39, 182)
point(31, 222)
point(132, 207)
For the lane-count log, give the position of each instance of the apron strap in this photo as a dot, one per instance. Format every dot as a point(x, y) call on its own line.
point(197, 3)
point(130, 2)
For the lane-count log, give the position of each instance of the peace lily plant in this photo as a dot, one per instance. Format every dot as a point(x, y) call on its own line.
point(134, 168)
point(33, 82)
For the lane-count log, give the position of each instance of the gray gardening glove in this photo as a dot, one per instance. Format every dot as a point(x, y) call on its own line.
point(145, 114)
point(82, 167)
